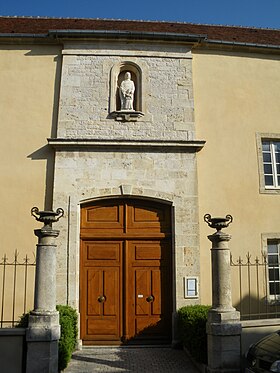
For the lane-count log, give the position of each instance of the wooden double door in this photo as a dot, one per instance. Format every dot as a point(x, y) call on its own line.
point(125, 278)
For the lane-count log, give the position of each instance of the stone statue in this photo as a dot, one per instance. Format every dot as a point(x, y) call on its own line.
point(126, 91)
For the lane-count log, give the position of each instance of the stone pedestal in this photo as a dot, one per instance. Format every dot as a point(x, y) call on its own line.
point(43, 330)
point(223, 324)
point(224, 342)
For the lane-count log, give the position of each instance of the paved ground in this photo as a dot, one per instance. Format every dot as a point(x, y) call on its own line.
point(130, 359)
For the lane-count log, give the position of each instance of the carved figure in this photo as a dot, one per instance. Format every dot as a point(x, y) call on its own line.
point(126, 91)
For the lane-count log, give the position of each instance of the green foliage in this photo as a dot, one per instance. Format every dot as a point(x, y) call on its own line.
point(68, 320)
point(23, 321)
point(192, 323)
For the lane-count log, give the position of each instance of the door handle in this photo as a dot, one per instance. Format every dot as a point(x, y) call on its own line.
point(101, 299)
point(150, 298)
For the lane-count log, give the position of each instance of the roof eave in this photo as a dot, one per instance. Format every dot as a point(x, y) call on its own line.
point(201, 39)
point(127, 35)
point(241, 44)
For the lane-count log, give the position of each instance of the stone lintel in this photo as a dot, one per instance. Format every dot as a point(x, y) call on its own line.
point(124, 145)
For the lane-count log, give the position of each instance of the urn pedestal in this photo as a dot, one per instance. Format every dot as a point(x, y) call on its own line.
point(43, 330)
point(223, 324)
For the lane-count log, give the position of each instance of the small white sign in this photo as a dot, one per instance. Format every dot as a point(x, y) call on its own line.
point(140, 296)
point(191, 287)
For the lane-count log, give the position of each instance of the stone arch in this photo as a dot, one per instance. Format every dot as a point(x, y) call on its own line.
point(127, 190)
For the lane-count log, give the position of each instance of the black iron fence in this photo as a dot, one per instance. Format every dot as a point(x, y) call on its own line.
point(17, 276)
point(255, 287)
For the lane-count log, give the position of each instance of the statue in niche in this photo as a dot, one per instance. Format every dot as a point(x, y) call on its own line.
point(126, 91)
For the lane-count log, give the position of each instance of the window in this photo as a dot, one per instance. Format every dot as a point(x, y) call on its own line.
point(271, 163)
point(273, 251)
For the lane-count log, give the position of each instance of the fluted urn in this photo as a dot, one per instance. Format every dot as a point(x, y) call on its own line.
point(47, 217)
point(218, 223)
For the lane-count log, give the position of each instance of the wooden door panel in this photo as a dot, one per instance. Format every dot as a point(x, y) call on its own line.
point(144, 218)
point(143, 215)
point(148, 284)
point(103, 316)
point(101, 253)
point(142, 291)
point(106, 219)
point(102, 329)
point(111, 292)
point(149, 290)
point(156, 291)
point(94, 289)
point(101, 290)
point(147, 252)
point(147, 326)
point(125, 258)
point(103, 217)
point(154, 251)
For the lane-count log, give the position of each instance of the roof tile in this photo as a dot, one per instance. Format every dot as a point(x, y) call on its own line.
point(32, 25)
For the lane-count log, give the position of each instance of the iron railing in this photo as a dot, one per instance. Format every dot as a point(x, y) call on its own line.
point(251, 293)
point(17, 278)
point(250, 288)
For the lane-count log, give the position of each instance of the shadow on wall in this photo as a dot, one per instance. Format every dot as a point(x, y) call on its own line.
point(255, 308)
point(46, 152)
point(258, 318)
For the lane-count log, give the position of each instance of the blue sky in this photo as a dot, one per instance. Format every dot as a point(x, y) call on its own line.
point(258, 13)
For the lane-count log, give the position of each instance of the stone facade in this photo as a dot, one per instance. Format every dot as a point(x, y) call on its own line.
point(166, 93)
point(151, 158)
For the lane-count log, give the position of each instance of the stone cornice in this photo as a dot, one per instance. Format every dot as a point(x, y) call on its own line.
point(119, 145)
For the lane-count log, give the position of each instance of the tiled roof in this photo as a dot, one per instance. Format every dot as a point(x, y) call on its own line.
point(32, 25)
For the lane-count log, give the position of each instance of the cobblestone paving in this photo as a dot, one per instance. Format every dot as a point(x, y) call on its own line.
point(130, 359)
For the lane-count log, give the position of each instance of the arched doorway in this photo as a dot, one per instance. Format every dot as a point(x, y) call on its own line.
point(125, 273)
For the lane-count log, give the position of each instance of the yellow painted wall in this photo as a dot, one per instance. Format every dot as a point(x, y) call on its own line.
point(236, 96)
point(29, 80)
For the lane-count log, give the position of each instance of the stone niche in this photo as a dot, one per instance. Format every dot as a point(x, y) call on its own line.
point(118, 73)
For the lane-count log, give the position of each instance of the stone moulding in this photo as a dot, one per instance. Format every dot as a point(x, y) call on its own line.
point(126, 116)
point(188, 145)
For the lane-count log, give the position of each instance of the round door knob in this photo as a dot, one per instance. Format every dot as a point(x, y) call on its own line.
point(101, 299)
point(150, 298)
